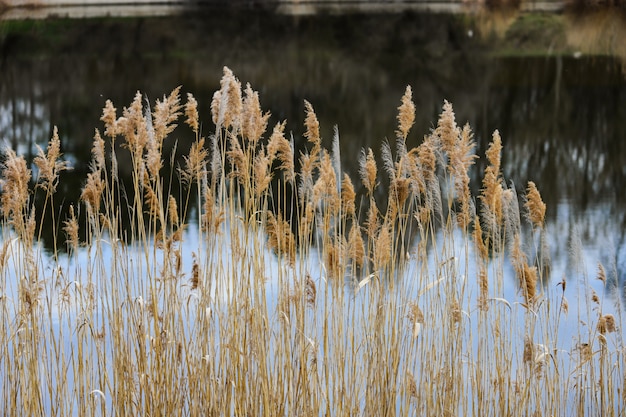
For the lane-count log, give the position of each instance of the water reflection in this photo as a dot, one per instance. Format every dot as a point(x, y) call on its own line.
point(557, 100)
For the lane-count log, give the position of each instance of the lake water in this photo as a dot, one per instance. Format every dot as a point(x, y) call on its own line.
point(553, 84)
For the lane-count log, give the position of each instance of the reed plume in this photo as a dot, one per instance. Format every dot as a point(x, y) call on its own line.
point(191, 112)
point(312, 133)
point(491, 193)
point(254, 121)
point(172, 211)
point(601, 273)
point(70, 227)
point(325, 188)
point(526, 274)
point(461, 159)
point(348, 196)
point(447, 130)
point(356, 247)
point(109, 117)
point(281, 149)
point(195, 162)
point(415, 317)
point(535, 207)
point(280, 238)
point(228, 103)
point(15, 193)
point(49, 163)
point(368, 170)
point(133, 126)
point(262, 173)
point(406, 114)
point(606, 324)
point(383, 248)
point(166, 113)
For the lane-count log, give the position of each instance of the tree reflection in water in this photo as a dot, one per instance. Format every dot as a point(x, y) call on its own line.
point(557, 102)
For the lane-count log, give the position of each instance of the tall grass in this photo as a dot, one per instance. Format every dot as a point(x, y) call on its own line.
point(275, 284)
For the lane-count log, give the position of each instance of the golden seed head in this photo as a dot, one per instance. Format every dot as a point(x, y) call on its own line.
point(406, 113)
point(191, 112)
point(534, 205)
point(254, 122)
point(368, 170)
point(606, 324)
point(601, 273)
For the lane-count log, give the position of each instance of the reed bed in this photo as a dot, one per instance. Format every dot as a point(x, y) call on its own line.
point(275, 284)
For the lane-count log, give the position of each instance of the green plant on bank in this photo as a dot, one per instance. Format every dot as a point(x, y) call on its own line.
point(300, 298)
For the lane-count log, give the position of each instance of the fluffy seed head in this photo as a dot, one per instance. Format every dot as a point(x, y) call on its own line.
point(191, 112)
point(254, 122)
point(406, 113)
point(368, 170)
point(535, 206)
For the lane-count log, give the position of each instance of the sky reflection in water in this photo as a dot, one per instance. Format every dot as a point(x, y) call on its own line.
point(557, 102)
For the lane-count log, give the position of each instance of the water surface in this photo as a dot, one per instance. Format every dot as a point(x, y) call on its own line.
point(552, 84)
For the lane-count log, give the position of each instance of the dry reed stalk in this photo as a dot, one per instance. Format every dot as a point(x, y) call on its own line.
point(483, 287)
point(227, 103)
point(427, 157)
point(406, 114)
point(240, 164)
point(166, 113)
point(601, 273)
point(447, 130)
point(109, 117)
point(195, 162)
point(49, 164)
point(368, 170)
point(388, 161)
point(383, 248)
point(152, 347)
point(172, 211)
point(491, 193)
point(399, 189)
point(594, 297)
point(310, 291)
point(152, 201)
point(325, 189)
point(191, 114)
point(305, 189)
point(14, 184)
point(415, 173)
point(461, 157)
point(262, 173)
point(535, 207)
point(195, 273)
point(415, 317)
point(215, 108)
point(526, 274)
point(132, 125)
point(606, 324)
point(356, 247)
point(70, 227)
point(280, 148)
point(511, 216)
point(481, 247)
point(208, 211)
point(280, 238)
point(312, 133)
point(348, 197)
point(333, 257)
point(254, 121)
point(372, 223)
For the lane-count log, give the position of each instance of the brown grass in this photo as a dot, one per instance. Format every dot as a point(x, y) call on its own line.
point(305, 305)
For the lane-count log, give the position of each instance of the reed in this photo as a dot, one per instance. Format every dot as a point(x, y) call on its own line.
point(265, 289)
